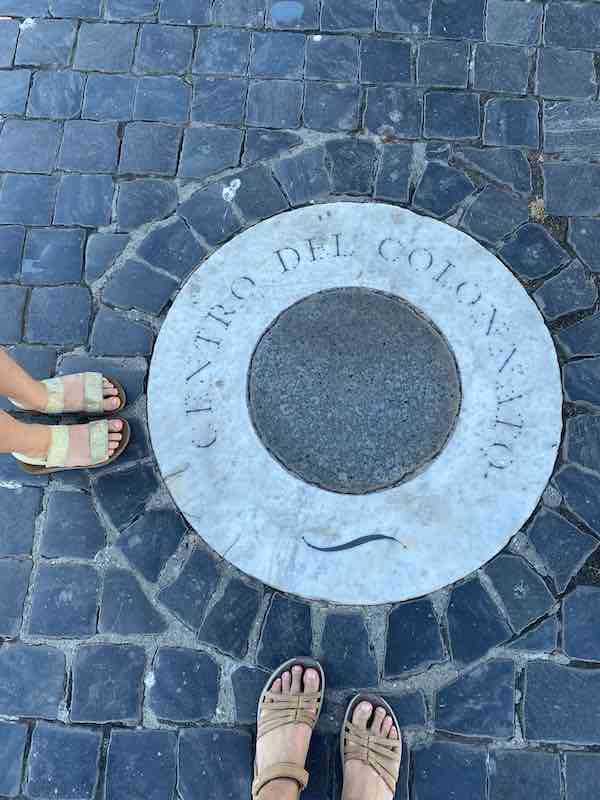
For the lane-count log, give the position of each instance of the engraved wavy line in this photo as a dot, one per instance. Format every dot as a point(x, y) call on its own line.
point(352, 544)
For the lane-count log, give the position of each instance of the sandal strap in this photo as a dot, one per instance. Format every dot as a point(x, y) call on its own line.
point(282, 770)
point(93, 393)
point(380, 753)
point(56, 395)
point(60, 440)
point(278, 710)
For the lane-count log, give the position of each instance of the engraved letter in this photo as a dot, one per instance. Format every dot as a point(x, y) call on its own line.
point(317, 248)
point(235, 293)
point(447, 268)
point(499, 455)
point(383, 246)
point(294, 252)
point(420, 259)
point(223, 311)
point(476, 293)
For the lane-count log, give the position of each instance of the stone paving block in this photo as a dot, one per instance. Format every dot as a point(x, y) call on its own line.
point(572, 714)
point(63, 762)
point(12, 304)
point(27, 199)
point(542, 638)
point(84, 200)
point(53, 256)
point(172, 248)
point(475, 622)
point(414, 640)
point(109, 97)
point(403, 16)
point(532, 252)
point(573, 25)
point(216, 762)
point(332, 58)
point(72, 528)
point(583, 441)
point(56, 94)
point(115, 335)
point(9, 31)
point(13, 738)
point(141, 764)
point(584, 237)
point(385, 60)
point(511, 122)
point(107, 683)
point(409, 708)
point(356, 664)
point(150, 148)
point(33, 680)
point(220, 101)
point(449, 764)
point(303, 177)
point(14, 579)
point(248, 684)
point(124, 496)
point(300, 16)
point(514, 22)
point(12, 239)
point(274, 104)
point(207, 151)
point(441, 189)
point(563, 548)
point(495, 214)
point(11, 471)
point(151, 540)
point(572, 189)
point(443, 64)
point(185, 686)
point(228, 623)
point(185, 12)
point(480, 703)
point(394, 112)
point(580, 632)
point(501, 68)
point(131, 9)
point(278, 54)
point(188, 596)
point(39, 362)
point(101, 252)
point(18, 510)
point(348, 15)
point(162, 99)
point(22, 8)
point(164, 49)
point(29, 145)
point(286, 629)
point(456, 19)
point(46, 43)
point(319, 767)
point(144, 200)
point(579, 489)
point(393, 176)
point(125, 609)
point(259, 195)
point(240, 13)
point(569, 291)
point(136, 286)
point(222, 52)
point(582, 775)
point(210, 215)
point(565, 73)
point(65, 601)
point(14, 89)
point(70, 327)
point(452, 115)
point(522, 775)
point(522, 591)
point(351, 165)
point(91, 9)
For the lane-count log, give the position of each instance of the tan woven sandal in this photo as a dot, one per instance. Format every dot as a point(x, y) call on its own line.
point(381, 754)
point(59, 448)
point(93, 395)
point(285, 710)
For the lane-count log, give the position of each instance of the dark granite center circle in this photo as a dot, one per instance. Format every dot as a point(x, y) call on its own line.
point(353, 390)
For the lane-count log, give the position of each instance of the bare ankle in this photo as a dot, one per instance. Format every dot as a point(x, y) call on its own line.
point(36, 441)
point(282, 789)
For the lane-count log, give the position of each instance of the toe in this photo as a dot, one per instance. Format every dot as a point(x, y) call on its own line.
point(297, 672)
point(387, 726)
point(115, 425)
point(286, 682)
point(394, 734)
point(312, 680)
point(362, 714)
point(378, 718)
point(111, 403)
point(276, 687)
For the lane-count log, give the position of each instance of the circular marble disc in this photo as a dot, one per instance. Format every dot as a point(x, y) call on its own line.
point(453, 512)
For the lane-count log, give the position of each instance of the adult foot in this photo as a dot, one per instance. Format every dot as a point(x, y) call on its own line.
point(74, 395)
point(361, 782)
point(79, 454)
point(289, 743)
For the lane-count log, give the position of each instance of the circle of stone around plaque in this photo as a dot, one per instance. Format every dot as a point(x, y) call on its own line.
point(390, 545)
point(353, 390)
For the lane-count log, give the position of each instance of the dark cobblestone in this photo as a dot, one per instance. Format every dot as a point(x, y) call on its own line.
point(227, 625)
point(441, 189)
point(9, 31)
point(563, 547)
point(572, 189)
point(262, 144)
point(13, 738)
point(514, 22)
point(583, 236)
point(495, 214)
point(573, 25)
point(541, 638)
point(303, 176)
point(53, 256)
point(27, 199)
point(443, 64)
point(287, 629)
point(105, 47)
point(219, 101)
point(162, 99)
point(331, 107)
point(278, 55)
point(144, 200)
point(518, 775)
point(137, 286)
point(109, 97)
point(532, 252)
point(101, 252)
point(207, 151)
point(393, 177)
point(582, 338)
point(188, 596)
point(58, 95)
point(47, 43)
point(403, 16)
point(352, 166)
point(70, 327)
point(475, 622)
point(274, 104)
point(395, 112)
point(500, 68)
point(582, 381)
point(29, 145)
point(522, 591)
point(76, 8)
point(583, 441)
point(385, 60)
point(248, 684)
point(580, 635)
point(63, 762)
point(452, 115)
point(409, 708)
point(84, 200)
point(131, 9)
point(65, 601)
point(172, 248)
point(12, 303)
point(245, 13)
point(216, 762)
point(414, 640)
point(355, 664)
point(150, 148)
point(151, 540)
point(33, 680)
point(210, 215)
point(107, 683)
point(72, 528)
point(186, 685)
point(304, 16)
point(348, 15)
point(582, 775)
point(18, 510)
point(511, 122)
point(141, 764)
point(125, 609)
point(185, 12)
point(332, 58)
point(124, 496)
point(444, 764)
point(571, 128)
point(14, 89)
point(569, 291)
point(222, 52)
point(14, 579)
point(565, 73)
point(457, 19)
point(115, 335)
point(259, 195)
point(164, 48)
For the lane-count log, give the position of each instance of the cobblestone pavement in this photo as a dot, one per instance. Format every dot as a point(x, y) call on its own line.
point(131, 657)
